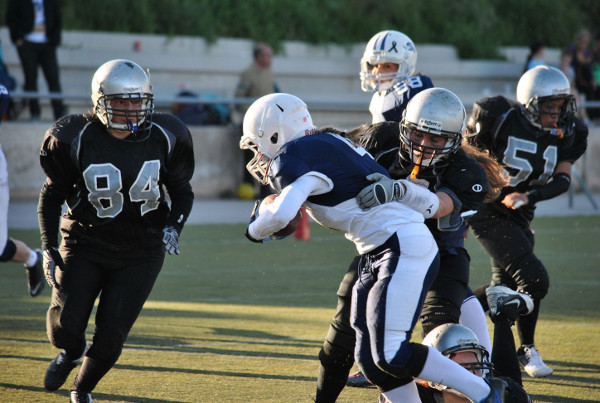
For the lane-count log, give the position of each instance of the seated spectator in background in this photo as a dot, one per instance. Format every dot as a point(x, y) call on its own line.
point(537, 50)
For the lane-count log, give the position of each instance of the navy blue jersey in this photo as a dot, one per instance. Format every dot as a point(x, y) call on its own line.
point(344, 167)
point(389, 105)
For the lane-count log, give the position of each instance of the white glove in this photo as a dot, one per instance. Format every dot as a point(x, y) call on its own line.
point(384, 190)
point(171, 240)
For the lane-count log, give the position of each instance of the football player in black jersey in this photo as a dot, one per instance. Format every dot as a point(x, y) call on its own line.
point(113, 168)
point(536, 140)
point(427, 147)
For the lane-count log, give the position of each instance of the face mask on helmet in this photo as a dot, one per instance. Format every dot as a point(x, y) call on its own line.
point(270, 122)
point(451, 339)
point(432, 127)
point(387, 47)
point(122, 96)
point(545, 94)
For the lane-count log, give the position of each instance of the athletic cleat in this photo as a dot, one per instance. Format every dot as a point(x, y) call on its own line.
point(358, 380)
point(497, 390)
point(531, 361)
point(78, 396)
point(35, 276)
point(503, 300)
point(58, 371)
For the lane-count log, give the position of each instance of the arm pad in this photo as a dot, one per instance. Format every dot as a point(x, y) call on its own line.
point(419, 198)
point(558, 185)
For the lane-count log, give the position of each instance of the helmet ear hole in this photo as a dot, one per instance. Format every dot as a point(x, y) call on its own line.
point(274, 138)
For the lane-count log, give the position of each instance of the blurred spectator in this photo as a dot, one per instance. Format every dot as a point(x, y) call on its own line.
point(537, 50)
point(582, 64)
point(10, 83)
point(257, 80)
point(35, 29)
point(200, 113)
point(566, 58)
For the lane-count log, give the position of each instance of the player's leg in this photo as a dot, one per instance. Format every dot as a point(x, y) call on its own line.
point(447, 293)
point(337, 354)
point(473, 316)
point(13, 250)
point(69, 312)
point(128, 282)
point(394, 305)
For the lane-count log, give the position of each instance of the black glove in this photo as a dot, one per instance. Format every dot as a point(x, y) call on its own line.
point(51, 260)
point(171, 240)
point(253, 216)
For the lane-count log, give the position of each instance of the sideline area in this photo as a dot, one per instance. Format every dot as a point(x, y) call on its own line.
point(23, 215)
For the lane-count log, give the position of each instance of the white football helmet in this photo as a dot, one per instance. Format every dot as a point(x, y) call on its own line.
point(436, 111)
point(270, 122)
point(452, 338)
point(387, 47)
point(122, 79)
point(544, 84)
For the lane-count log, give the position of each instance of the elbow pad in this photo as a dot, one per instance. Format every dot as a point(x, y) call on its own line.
point(558, 185)
point(419, 198)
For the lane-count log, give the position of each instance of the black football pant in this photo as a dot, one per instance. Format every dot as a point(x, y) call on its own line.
point(33, 56)
point(123, 283)
point(514, 264)
point(442, 305)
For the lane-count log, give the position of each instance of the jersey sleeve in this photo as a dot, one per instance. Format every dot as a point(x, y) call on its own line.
point(467, 179)
point(572, 149)
point(180, 169)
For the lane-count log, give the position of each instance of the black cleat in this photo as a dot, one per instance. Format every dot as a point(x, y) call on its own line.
point(504, 301)
point(78, 396)
point(358, 380)
point(58, 371)
point(35, 276)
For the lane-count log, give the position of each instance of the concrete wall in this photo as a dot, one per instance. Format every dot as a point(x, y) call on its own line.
point(326, 77)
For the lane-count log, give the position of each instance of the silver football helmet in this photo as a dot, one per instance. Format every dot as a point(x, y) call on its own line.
point(544, 84)
point(122, 79)
point(452, 338)
point(272, 121)
point(436, 111)
point(387, 47)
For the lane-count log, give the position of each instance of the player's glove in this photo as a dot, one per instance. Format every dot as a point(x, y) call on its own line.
point(253, 216)
point(51, 260)
point(384, 190)
point(171, 240)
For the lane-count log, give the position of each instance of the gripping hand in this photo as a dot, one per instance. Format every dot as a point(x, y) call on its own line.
point(171, 240)
point(253, 216)
point(384, 190)
point(51, 260)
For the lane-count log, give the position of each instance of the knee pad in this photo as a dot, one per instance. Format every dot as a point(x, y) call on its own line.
point(530, 276)
point(10, 249)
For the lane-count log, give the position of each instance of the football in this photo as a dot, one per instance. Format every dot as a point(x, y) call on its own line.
point(292, 225)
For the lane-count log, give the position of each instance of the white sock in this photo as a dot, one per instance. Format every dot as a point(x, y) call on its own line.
point(32, 260)
point(473, 317)
point(405, 394)
point(443, 370)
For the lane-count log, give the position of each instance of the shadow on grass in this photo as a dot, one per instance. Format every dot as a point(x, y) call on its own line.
point(65, 394)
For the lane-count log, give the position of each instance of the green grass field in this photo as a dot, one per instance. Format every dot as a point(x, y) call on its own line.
point(232, 321)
